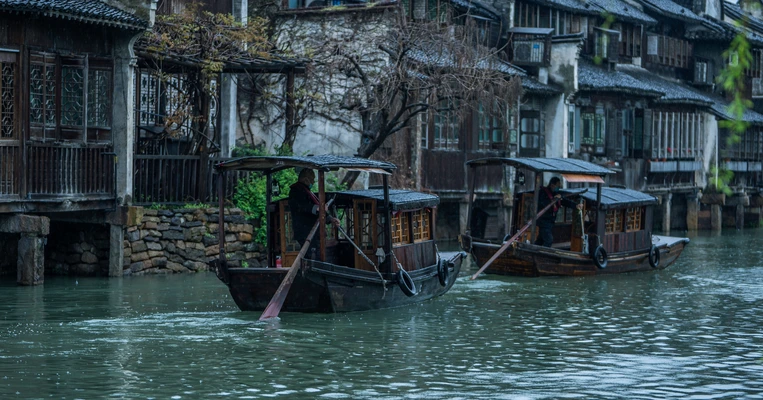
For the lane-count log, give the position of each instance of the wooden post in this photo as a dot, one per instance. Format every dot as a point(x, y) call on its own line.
point(387, 225)
point(600, 227)
point(268, 222)
point(322, 212)
point(220, 215)
point(470, 200)
point(534, 206)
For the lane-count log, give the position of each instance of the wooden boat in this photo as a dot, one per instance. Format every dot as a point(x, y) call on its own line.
point(383, 256)
point(613, 234)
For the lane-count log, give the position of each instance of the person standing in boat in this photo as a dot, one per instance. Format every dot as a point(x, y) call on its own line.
point(303, 204)
point(546, 221)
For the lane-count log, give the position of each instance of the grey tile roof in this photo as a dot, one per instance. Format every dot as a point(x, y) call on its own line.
point(735, 12)
point(546, 164)
point(477, 8)
point(596, 78)
point(399, 199)
point(623, 11)
point(90, 11)
point(679, 93)
point(617, 197)
point(577, 6)
point(671, 10)
point(723, 31)
point(325, 162)
point(533, 86)
point(673, 92)
point(440, 57)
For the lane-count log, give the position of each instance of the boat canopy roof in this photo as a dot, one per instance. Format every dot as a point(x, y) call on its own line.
point(612, 198)
point(542, 164)
point(400, 200)
point(327, 162)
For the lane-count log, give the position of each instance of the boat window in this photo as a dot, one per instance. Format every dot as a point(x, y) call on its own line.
point(633, 219)
point(614, 221)
point(400, 228)
point(290, 244)
point(421, 221)
point(365, 227)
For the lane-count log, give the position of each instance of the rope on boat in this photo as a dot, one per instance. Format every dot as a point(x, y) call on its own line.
point(349, 239)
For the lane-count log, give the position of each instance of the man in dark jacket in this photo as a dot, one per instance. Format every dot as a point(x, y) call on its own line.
point(546, 221)
point(303, 205)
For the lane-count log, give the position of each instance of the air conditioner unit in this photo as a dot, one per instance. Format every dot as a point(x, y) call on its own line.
point(757, 88)
point(528, 51)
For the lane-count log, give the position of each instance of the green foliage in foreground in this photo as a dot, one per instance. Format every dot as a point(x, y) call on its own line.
point(250, 193)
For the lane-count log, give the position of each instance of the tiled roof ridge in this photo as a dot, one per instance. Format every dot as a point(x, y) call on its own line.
point(90, 11)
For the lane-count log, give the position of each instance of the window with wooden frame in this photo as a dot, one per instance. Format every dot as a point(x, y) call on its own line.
point(490, 127)
point(8, 99)
point(633, 219)
point(69, 96)
point(614, 221)
point(99, 93)
point(401, 228)
point(364, 226)
point(421, 225)
point(754, 70)
point(42, 96)
point(446, 126)
point(630, 40)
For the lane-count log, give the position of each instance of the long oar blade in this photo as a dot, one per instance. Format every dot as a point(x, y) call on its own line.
point(274, 307)
point(510, 241)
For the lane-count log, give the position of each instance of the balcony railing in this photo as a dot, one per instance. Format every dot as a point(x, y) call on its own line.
point(668, 51)
point(54, 170)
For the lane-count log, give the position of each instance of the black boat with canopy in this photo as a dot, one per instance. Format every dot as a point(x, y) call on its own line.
point(382, 253)
point(612, 234)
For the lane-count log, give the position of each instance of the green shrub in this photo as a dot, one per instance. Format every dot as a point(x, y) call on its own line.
point(250, 193)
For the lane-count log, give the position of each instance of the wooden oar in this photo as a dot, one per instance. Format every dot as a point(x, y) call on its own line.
point(274, 307)
point(510, 241)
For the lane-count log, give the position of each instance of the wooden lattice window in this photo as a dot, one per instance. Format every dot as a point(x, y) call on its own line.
point(7, 95)
point(614, 221)
point(364, 210)
point(421, 225)
point(401, 228)
point(42, 96)
point(99, 93)
point(633, 219)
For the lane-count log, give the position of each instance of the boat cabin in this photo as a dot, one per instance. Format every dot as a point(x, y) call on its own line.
point(620, 219)
point(363, 217)
point(391, 227)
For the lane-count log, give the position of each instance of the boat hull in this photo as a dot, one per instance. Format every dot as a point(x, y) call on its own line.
point(327, 288)
point(525, 259)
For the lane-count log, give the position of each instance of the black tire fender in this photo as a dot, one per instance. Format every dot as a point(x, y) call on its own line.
point(599, 256)
point(442, 272)
point(654, 256)
point(406, 283)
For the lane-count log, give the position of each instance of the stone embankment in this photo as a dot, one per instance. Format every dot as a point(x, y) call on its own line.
point(184, 240)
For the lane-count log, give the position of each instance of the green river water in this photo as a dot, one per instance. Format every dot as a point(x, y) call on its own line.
point(694, 330)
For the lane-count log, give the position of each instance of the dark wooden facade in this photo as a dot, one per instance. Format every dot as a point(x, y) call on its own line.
point(56, 140)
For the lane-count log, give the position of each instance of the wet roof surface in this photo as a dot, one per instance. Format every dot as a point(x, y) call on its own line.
point(616, 197)
point(327, 162)
point(399, 199)
point(542, 164)
point(594, 77)
point(671, 10)
point(93, 11)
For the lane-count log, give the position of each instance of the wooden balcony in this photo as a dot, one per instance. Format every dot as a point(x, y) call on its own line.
point(668, 51)
point(55, 177)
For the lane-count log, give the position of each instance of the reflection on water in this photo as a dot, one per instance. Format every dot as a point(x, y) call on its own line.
point(691, 331)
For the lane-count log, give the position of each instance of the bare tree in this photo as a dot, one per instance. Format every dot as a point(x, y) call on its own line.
point(374, 78)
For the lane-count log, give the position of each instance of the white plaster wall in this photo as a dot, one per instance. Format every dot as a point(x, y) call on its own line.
point(564, 65)
point(556, 123)
point(709, 159)
point(305, 35)
point(713, 8)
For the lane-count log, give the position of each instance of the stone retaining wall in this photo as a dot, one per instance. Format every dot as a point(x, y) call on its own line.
point(77, 249)
point(184, 240)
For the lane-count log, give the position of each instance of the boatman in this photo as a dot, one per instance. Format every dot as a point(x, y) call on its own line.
point(303, 205)
point(546, 221)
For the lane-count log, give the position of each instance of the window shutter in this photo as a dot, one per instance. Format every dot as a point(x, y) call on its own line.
point(647, 142)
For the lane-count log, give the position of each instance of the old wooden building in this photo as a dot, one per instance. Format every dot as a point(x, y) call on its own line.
point(66, 121)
